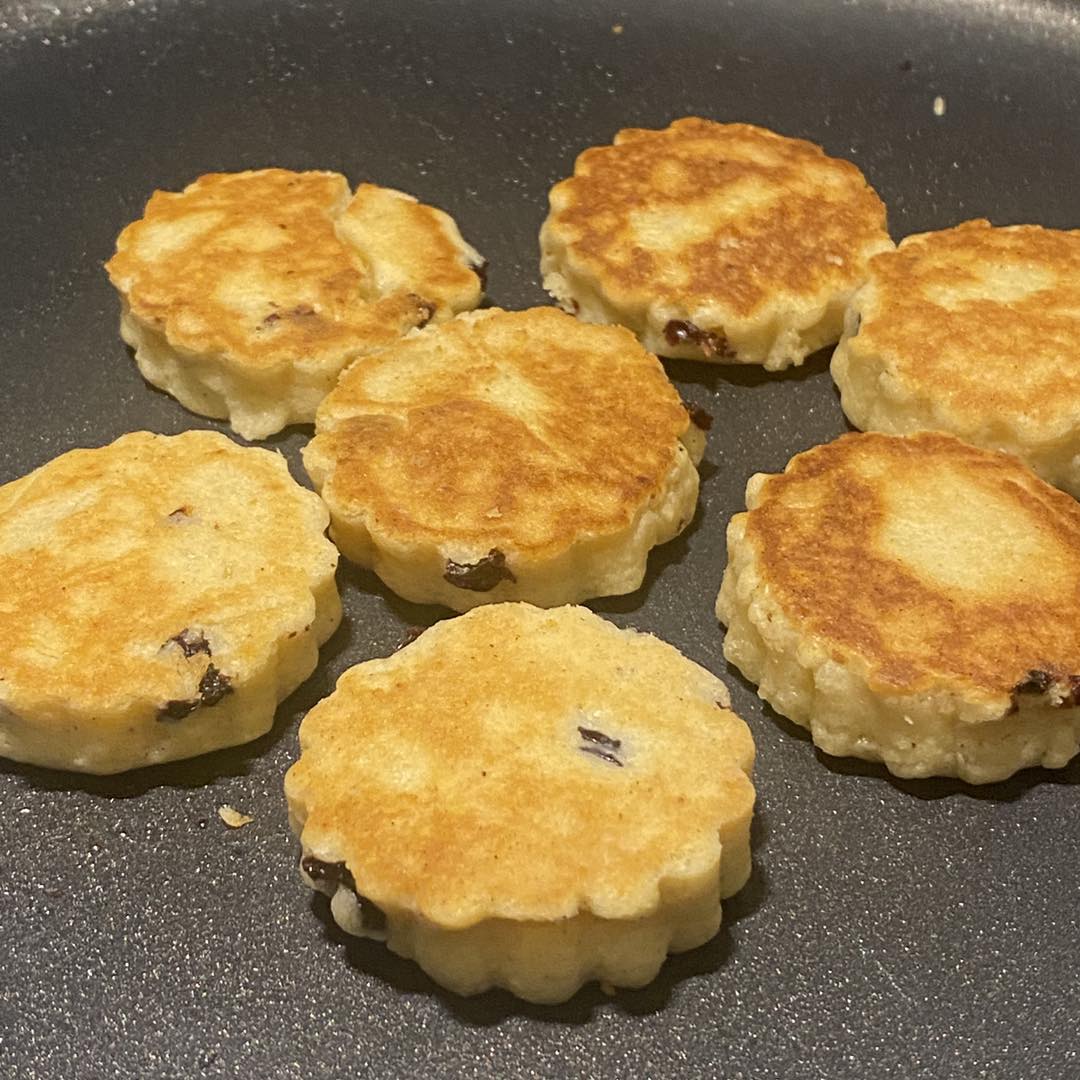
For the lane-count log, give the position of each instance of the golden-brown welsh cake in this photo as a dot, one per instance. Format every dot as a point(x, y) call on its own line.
point(973, 330)
point(526, 798)
point(246, 294)
point(158, 597)
point(912, 600)
point(723, 242)
point(506, 456)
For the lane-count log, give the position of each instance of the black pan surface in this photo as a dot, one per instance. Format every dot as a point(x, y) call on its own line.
point(891, 929)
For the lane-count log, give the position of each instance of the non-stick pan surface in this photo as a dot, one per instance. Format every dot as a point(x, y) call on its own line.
point(891, 929)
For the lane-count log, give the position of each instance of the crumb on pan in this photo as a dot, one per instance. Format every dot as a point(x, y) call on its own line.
point(233, 818)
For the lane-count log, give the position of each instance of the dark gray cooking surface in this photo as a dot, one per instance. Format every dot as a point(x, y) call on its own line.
point(891, 930)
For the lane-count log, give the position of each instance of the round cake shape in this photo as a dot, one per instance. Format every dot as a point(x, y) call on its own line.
point(506, 456)
point(526, 798)
point(721, 242)
point(158, 597)
point(973, 330)
point(912, 600)
point(246, 294)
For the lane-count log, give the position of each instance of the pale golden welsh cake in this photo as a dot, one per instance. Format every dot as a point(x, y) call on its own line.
point(722, 242)
point(506, 456)
point(246, 294)
point(911, 600)
point(973, 330)
point(526, 798)
point(158, 597)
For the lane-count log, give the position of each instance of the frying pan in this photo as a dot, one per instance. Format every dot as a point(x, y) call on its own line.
point(891, 929)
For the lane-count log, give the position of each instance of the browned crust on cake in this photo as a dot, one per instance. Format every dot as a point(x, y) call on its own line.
point(456, 779)
point(265, 278)
point(805, 241)
point(987, 360)
point(128, 620)
point(816, 530)
point(449, 463)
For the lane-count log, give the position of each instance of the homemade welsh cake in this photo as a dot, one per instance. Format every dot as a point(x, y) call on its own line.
point(528, 799)
point(246, 294)
point(158, 597)
point(722, 242)
point(973, 330)
point(911, 600)
point(506, 456)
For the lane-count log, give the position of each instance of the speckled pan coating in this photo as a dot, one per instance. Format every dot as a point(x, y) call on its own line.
point(904, 931)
